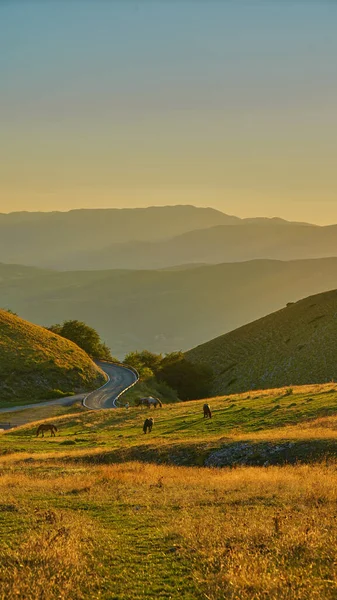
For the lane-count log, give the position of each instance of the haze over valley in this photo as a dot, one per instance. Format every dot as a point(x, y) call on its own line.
point(163, 310)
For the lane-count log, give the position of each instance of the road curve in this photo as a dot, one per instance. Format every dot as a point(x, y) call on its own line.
point(120, 380)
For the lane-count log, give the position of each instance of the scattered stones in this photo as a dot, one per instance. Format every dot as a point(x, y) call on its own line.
point(247, 453)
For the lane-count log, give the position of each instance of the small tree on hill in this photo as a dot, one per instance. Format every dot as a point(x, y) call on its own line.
point(84, 336)
point(141, 361)
point(145, 362)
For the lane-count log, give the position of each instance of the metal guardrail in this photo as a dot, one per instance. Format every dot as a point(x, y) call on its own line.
point(127, 367)
point(135, 372)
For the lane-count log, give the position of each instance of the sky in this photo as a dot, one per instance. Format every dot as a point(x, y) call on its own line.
point(229, 104)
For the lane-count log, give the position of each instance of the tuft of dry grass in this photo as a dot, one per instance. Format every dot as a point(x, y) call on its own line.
point(51, 560)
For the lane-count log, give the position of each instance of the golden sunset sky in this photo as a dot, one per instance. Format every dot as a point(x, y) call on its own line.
point(223, 104)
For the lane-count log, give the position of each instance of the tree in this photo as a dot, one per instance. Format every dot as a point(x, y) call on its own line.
point(142, 366)
point(144, 360)
point(190, 380)
point(85, 337)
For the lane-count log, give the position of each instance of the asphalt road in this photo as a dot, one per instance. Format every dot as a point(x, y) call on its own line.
point(120, 379)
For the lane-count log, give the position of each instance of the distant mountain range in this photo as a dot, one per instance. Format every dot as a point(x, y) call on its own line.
point(293, 346)
point(154, 237)
point(163, 310)
point(224, 243)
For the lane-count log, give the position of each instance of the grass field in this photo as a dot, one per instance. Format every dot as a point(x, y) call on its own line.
point(103, 511)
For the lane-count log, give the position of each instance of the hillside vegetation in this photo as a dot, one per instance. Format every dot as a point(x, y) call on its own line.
point(36, 364)
point(163, 311)
point(293, 346)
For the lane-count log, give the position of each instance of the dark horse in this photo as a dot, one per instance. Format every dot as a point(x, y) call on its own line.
point(207, 411)
point(46, 427)
point(148, 424)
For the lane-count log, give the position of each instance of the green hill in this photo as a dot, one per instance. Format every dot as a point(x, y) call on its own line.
point(293, 346)
point(36, 364)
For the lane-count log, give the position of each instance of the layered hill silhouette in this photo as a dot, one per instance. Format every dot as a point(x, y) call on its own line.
point(223, 243)
point(154, 237)
point(293, 346)
point(63, 239)
point(37, 364)
point(163, 310)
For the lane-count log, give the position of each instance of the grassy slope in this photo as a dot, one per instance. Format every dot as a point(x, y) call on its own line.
point(36, 364)
point(163, 310)
point(75, 528)
point(181, 435)
point(294, 346)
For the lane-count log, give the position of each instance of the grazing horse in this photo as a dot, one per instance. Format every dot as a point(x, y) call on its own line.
point(149, 401)
point(148, 424)
point(46, 427)
point(207, 411)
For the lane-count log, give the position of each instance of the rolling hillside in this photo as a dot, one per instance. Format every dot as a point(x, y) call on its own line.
point(36, 364)
point(163, 310)
point(293, 346)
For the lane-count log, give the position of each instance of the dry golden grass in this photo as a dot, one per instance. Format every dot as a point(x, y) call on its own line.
point(51, 559)
point(101, 532)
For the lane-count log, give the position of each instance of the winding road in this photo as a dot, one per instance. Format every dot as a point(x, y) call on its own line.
point(120, 379)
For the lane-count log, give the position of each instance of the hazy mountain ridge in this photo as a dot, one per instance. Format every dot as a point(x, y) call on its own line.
point(47, 239)
point(163, 310)
point(221, 243)
point(293, 346)
point(131, 238)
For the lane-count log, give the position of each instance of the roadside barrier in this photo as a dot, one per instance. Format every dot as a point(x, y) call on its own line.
point(127, 368)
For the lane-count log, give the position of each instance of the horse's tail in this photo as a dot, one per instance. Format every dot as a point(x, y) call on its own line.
point(145, 426)
point(160, 403)
point(38, 430)
point(55, 428)
point(209, 412)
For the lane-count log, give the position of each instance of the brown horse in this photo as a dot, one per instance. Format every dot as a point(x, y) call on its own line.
point(148, 424)
point(46, 427)
point(207, 411)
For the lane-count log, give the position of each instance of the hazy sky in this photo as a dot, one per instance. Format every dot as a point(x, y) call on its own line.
point(230, 104)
